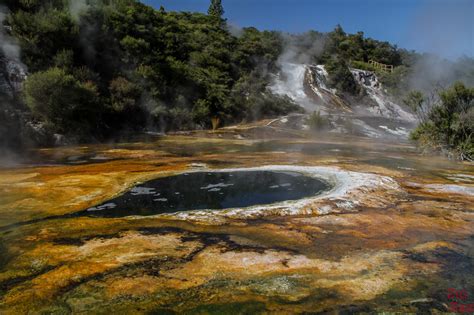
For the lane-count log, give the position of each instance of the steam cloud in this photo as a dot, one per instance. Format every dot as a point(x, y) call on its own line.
point(443, 28)
point(431, 72)
point(9, 46)
point(301, 49)
point(77, 7)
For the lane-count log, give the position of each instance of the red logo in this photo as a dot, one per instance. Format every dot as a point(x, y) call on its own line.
point(458, 299)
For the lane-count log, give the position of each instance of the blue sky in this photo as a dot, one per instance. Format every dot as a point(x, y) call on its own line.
point(445, 27)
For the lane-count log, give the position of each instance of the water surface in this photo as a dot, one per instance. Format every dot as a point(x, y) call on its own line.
point(209, 190)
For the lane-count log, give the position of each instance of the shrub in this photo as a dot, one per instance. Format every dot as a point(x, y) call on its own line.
point(124, 95)
point(252, 101)
point(341, 78)
point(317, 122)
point(62, 102)
point(417, 102)
point(396, 82)
point(363, 66)
point(450, 123)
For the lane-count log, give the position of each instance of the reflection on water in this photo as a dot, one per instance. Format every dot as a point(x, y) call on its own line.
point(209, 190)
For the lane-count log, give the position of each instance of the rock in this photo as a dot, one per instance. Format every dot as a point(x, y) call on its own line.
point(12, 75)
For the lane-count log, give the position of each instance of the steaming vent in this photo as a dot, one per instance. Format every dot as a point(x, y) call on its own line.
point(316, 88)
point(375, 115)
point(307, 86)
point(291, 82)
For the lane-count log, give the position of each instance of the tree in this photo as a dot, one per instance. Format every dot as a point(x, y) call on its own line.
point(62, 102)
point(415, 100)
point(124, 95)
point(216, 9)
point(450, 123)
point(341, 78)
point(122, 64)
point(43, 35)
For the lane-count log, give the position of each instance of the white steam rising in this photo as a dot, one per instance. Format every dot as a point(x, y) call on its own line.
point(77, 7)
point(298, 52)
point(8, 45)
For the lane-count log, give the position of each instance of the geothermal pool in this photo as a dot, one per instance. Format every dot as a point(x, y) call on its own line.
point(202, 225)
point(209, 190)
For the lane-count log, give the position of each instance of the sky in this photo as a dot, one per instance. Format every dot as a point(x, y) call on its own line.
point(444, 27)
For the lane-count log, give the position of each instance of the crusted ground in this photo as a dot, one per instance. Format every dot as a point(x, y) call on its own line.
point(399, 249)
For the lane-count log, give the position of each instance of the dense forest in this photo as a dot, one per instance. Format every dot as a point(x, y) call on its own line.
point(98, 68)
point(118, 65)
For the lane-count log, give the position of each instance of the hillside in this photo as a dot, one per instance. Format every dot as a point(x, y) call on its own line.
point(102, 69)
point(171, 162)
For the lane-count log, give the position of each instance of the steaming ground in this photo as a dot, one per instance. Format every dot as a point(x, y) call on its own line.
point(290, 82)
point(392, 234)
point(378, 117)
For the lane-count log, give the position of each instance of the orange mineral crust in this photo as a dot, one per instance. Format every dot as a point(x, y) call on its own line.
point(394, 226)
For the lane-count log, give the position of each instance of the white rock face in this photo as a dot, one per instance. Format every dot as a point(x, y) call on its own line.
point(385, 107)
point(12, 75)
point(16, 74)
point(12, 70)
point(293, 78)
point(377, 117)
point(316, 78)
point(290, 82)
point(445, 188)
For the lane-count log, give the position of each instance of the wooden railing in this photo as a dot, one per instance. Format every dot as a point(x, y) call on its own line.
point(381, 66)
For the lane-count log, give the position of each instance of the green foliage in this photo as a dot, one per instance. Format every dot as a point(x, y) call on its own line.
point(357, 48)
point(122, 64)
point(252, 101)
point(341, 78)
point(415, 100)
point(166, 70)
point(363, 66)
point(33, 5)
point(43, 34)
point(451, 124)
point(255, 48)
point(62, 102)
point(396, 82)
point(316, 122)
point(216, 9)
point(337, 47)
point(124, 95)
point(340, 50)
point(64, 59)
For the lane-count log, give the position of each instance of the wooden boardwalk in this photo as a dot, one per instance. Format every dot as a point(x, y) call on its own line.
point(381, 66)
